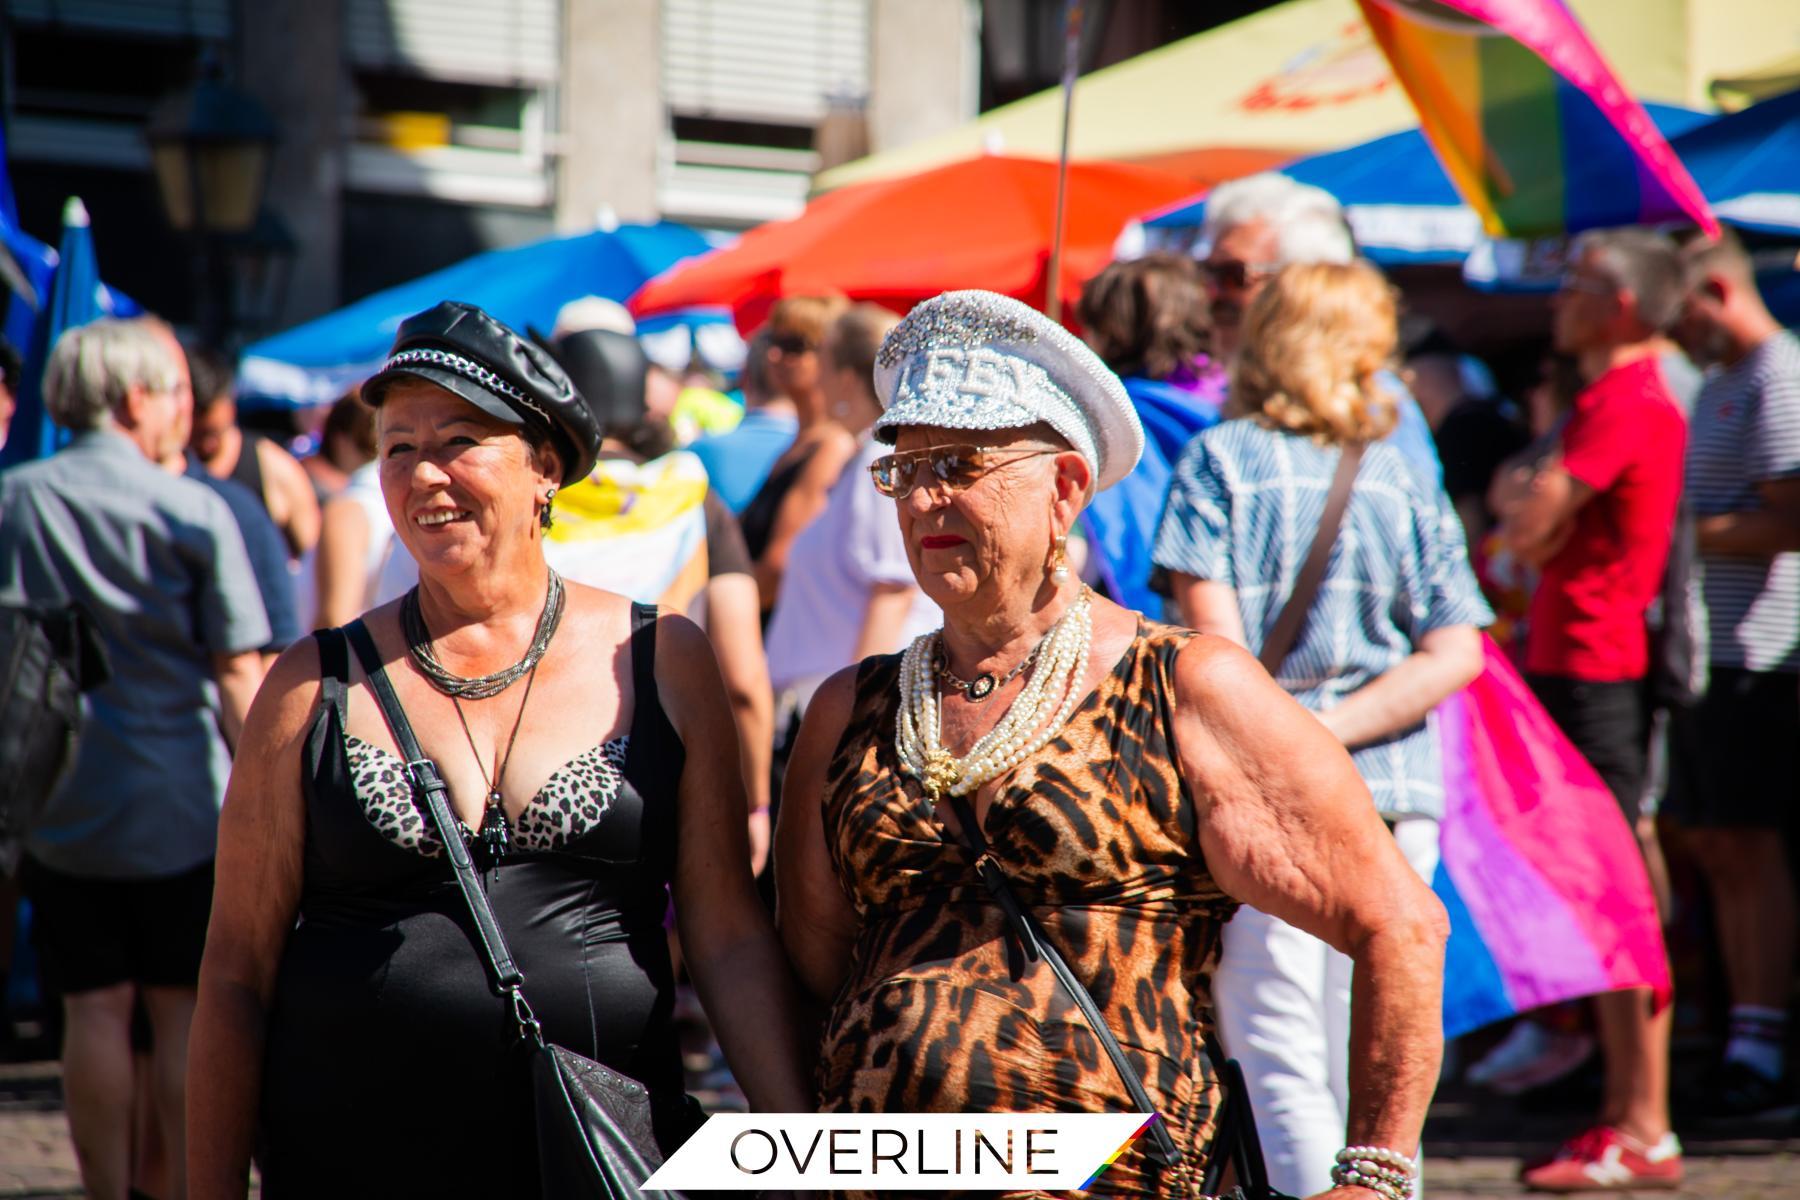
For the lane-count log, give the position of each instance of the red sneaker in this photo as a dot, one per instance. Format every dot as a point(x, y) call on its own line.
point(1604, 1160)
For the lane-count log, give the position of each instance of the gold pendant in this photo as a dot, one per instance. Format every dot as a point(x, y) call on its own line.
point(941, 772)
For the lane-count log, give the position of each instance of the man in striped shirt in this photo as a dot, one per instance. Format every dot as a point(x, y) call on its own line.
point(1736, 757)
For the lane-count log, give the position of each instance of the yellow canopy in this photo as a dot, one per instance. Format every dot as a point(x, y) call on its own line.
point(1305, 76)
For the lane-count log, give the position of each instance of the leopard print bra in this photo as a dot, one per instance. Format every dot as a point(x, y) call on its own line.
point(939, 1012)
point(572, 801)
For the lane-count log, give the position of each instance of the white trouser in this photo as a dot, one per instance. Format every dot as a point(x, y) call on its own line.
point(1283, 1003)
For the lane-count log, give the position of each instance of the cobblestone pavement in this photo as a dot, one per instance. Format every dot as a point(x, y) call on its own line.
point(1474, 1151)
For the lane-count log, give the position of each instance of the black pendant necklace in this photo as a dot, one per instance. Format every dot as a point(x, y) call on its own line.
point(984, 684)
point(495, 834)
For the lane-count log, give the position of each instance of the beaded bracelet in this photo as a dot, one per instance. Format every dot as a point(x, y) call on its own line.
point(1343, 1175)
point(1388, 1173)
point(1379, 1154)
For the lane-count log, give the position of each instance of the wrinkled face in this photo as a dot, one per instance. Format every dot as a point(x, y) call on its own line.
point(995, 534)
point(211, 426)
point(1586, 306)
point(461, 486)
point(1241, 261)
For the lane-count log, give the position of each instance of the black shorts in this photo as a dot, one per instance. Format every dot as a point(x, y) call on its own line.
point(94, 933)
point(1734, 758)
point(1610, 724)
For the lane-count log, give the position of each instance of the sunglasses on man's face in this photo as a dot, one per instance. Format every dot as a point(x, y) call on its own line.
point(954, 467)
point(1234, 273)
point(791, 343)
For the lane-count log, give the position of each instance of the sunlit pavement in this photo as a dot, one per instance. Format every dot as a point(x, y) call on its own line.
point(1475, 1155)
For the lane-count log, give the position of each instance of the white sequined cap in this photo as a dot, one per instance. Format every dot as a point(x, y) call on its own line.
point(980, 360)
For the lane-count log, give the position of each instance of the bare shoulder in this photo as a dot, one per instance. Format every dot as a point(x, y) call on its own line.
point(1213, 670)
point(284, 703)
point(273, 456)
point(828, 714)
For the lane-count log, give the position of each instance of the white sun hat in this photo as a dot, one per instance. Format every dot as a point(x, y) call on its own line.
point(980, 360)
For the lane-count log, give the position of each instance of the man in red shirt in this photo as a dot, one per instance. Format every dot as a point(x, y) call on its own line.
point(1598, 521)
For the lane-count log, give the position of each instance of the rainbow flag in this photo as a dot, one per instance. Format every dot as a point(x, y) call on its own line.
point(1543, 879)
point(1533, 128)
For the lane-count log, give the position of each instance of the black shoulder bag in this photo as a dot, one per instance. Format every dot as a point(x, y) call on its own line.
point(49, 655)
point(1235, 1145)
point(595, 1133)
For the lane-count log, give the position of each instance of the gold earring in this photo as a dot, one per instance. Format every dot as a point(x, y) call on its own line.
point(1059, 560)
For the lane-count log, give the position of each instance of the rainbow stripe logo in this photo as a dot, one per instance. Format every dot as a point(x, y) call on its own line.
point(1123, 1146)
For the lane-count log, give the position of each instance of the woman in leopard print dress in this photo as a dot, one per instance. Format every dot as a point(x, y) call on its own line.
point(1160, 781)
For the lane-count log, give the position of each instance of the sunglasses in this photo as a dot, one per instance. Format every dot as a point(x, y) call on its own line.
point(792, 343)
point(1233, 273)
point(955, 467)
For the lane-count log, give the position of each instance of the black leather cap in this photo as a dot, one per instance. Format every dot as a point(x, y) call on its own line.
point(466, 352)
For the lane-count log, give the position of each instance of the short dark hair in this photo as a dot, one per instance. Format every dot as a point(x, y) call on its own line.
point(212, 375)
point(1725, 255)
point(1146, 317)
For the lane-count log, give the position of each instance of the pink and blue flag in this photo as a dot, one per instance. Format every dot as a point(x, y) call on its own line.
point(1532, 126)
point(1546, 887)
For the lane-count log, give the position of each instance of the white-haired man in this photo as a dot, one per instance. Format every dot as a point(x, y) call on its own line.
point(119, 867)
point(1257, 225)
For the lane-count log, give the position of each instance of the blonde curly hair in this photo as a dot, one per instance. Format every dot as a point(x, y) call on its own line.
point(1314, 341)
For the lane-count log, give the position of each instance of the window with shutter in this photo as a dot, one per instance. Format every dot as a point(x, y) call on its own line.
point(477, 41)
point(778, 61)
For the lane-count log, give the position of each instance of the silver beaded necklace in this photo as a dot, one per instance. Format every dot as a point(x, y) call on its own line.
point(418, 646)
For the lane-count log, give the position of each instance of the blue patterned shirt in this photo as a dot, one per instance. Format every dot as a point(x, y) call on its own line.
point(1243, 509)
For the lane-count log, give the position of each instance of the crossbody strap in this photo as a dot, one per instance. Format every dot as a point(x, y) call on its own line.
point(1292, 620)
point(1162, 1145)
point(423, 774)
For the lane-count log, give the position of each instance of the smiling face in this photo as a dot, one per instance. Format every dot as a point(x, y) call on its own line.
point(463, 489)
point(992, 538)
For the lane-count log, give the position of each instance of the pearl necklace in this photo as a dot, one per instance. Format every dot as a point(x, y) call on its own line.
point(1053, 689)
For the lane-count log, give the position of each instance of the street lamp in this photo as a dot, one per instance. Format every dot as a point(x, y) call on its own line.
point(210, 147)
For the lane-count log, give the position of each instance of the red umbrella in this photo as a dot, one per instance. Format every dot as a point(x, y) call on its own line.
point(983, 223)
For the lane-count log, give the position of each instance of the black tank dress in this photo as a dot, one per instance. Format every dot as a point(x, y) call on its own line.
point(391, 1068)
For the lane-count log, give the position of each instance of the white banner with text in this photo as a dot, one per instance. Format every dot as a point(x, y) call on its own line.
point(898, 1152)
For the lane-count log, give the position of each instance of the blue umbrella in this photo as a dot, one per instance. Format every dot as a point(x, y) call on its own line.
point(1398, 200)
point(525, 285)
point(75, 298)
point(1748, 164)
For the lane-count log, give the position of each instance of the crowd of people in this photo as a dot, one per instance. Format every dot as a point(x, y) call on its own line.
point(946, 641)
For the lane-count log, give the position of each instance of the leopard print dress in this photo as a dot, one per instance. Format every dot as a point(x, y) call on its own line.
point(1098, 834)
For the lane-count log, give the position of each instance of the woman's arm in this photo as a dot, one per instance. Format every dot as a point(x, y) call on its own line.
point(800, 507)
point(1287, 825)
point(339, 576)
point(735, 627)
point(288, 491)
point(1446, 660)
point(884, 618)
point(817, 924)
point(256, 891)
point(726, 936)
point(1209, 607)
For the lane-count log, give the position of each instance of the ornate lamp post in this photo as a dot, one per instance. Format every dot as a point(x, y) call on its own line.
point(210, 146)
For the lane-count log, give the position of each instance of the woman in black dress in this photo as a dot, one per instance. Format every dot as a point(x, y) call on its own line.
point(346, 1031)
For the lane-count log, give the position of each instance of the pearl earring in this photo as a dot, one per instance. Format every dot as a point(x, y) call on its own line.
point(1059, 560)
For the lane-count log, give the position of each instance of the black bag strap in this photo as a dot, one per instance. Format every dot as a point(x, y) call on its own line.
point(423, 774)
point(1162, 1145)
point(1292, 619)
